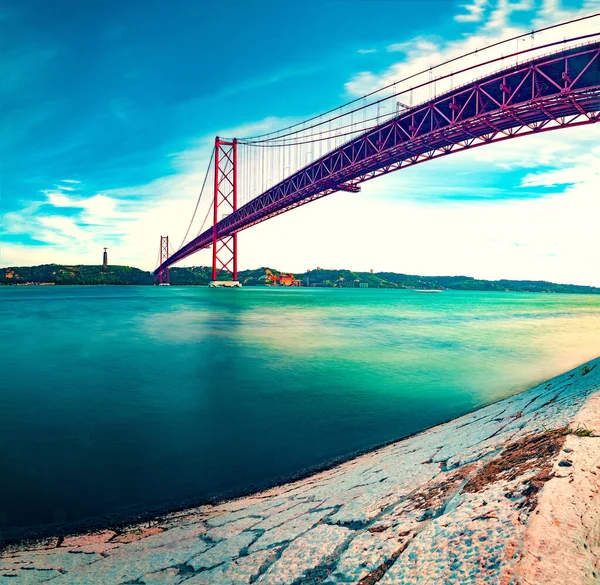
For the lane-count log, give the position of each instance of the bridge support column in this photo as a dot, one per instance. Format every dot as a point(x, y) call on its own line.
point(163, 277)
point(225, 203)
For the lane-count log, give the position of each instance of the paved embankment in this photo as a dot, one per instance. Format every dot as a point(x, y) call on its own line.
point(509, 494)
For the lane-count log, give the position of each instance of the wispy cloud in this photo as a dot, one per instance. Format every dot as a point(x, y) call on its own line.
point(419, 44)
point(474, 11)
point(67, 187)
point(581, 169)
point(366, 51)
point(542, 151)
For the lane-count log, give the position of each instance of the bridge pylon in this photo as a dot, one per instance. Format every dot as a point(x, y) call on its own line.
point(163, 277)
point(225, 203)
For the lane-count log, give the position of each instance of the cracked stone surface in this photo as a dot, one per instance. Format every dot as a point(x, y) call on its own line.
point(242, 570)
point(508, 494)
point(305, 553)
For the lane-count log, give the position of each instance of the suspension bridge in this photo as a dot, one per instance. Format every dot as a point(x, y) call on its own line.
point(472, 100)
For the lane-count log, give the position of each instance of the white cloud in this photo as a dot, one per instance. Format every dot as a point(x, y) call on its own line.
point(24, 255)
point(57, 229)
point(93, 209)
point(420, 44)
point(586, 172)
point(474, 11)
point(398, 47)
point(366, 51)
point(58, 199)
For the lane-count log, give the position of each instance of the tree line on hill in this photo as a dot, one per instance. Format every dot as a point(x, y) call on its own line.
point(75, 274)
point(201, 275)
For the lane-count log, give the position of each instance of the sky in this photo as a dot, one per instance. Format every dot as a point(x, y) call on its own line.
point(108, 110)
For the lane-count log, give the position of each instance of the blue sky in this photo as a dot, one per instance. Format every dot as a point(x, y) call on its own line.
point(108, 108)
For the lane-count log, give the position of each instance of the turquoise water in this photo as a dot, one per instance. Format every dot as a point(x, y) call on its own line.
point(116, 401)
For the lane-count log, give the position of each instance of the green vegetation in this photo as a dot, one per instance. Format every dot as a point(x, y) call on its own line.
point(201, 276)
point(198, 275)
point(409, 281)
point(580, 431)
point(78, 274)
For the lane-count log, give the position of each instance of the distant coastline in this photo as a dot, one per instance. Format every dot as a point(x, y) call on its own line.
point(59, 274)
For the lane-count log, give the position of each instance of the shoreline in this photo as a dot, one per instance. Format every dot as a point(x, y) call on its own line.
point(125, 520)
point(374, 521)
point(319, 287)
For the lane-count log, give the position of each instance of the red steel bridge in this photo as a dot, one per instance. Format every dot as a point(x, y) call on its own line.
point(249, 180)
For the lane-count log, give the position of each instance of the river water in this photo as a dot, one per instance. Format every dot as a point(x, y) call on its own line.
point(117, 401)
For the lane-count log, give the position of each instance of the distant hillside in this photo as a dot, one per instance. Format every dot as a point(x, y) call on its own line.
point(201, 276)
point(76, 274)
point(411, 281)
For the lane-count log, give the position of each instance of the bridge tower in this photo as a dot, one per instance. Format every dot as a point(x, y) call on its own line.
point(163, 276)
point(225, 203)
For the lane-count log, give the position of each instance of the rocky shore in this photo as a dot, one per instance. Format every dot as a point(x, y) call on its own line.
point(509, 494)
